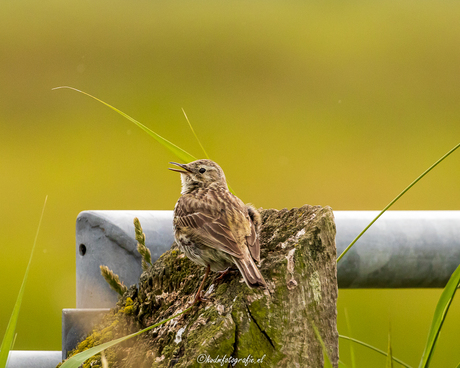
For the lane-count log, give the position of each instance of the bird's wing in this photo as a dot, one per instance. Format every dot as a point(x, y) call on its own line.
point(253, 242)
point(210, 223)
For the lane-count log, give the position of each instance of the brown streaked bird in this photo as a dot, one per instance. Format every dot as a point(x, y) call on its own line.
point(213, 227)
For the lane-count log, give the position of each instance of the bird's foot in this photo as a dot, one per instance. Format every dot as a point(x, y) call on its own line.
point(223, 274)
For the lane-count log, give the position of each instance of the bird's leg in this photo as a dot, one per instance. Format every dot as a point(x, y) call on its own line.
point(198, 297)
point(223, 274)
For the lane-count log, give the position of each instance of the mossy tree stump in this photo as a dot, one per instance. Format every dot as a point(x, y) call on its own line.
point(269, 328)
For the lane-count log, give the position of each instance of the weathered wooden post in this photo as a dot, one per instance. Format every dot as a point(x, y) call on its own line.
point(237, 325)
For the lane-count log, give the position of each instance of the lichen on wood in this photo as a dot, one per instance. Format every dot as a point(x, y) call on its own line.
point(263, 327)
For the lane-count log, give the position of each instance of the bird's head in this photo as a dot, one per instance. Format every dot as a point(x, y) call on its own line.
point(200, 174)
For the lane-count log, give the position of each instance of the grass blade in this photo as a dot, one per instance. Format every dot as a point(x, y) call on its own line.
point(375, 349)
point(9, 337)
point(352, 351)
point(199, 142)
point(327, 361)
point(439, 316)
point(397, 197)
point(78, 359)
point(389, 363)
point(104, 362)
point(196, 137)
point(179, 152)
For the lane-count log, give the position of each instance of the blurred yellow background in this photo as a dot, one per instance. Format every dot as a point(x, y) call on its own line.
point(337, 103)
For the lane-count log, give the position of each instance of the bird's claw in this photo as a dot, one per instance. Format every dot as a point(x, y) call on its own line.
point(222, 275)
point(199, 298)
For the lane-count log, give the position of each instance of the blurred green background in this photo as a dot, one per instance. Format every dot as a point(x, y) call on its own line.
point(332, 103)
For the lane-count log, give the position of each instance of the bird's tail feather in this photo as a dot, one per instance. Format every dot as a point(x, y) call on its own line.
point(250, 272)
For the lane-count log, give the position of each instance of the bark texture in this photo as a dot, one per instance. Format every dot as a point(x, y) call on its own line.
point(269, 328)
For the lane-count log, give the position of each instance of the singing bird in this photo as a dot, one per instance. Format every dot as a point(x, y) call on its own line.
point(213, 227)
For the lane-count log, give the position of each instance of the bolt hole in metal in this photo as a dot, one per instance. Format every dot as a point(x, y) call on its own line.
point(82, 249)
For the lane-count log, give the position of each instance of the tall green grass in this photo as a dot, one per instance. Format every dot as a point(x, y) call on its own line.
point(9, 337)
point(439, 317)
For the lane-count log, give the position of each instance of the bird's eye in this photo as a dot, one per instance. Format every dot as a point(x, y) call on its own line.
point(202, 170)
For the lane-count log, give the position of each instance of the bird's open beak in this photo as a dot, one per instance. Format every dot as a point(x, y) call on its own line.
point(187, 170)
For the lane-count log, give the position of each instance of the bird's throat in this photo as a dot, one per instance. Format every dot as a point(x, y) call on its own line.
point(188, 185)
